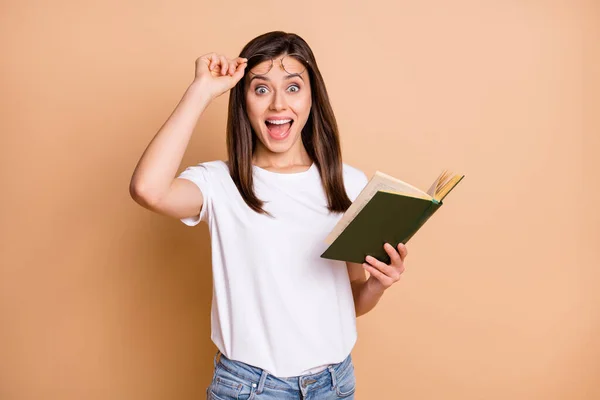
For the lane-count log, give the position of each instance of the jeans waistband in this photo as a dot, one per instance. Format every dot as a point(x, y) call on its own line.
point(255, 374)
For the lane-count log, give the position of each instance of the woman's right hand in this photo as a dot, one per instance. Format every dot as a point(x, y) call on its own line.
point(219, 74)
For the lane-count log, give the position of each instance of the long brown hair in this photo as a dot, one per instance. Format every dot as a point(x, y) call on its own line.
point(320, 134)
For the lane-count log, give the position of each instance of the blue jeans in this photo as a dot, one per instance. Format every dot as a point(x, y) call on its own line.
point(235, 380)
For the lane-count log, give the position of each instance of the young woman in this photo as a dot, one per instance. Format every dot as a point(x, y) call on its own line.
point(283, 319)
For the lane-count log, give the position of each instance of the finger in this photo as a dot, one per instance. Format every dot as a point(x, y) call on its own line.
point(234, 65)
point(392, 271)
point(239, 72)
point(213, 61)
point(381, 266)
point(224, 65)
point(402, 250)
point(381, 277)
point(394, 256)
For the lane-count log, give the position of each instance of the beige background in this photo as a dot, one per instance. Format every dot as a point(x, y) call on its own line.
point(101, 299)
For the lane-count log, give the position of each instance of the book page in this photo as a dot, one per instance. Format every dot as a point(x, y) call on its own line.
point(399, 186)
point(447, 186)
point(379, 181)
point(434, 186)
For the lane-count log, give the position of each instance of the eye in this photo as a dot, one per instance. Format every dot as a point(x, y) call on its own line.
point(294, 86)
point(258, 90)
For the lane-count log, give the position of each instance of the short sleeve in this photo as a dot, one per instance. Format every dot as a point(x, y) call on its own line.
point(200, 175)
point(355, 181)
point(361, 182)
point(364, 179)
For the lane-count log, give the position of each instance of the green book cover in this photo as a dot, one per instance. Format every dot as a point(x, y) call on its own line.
point(385, 216)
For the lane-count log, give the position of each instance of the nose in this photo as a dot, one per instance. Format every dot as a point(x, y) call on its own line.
point(279, 101)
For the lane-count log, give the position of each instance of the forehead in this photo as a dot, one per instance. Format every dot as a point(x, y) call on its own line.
point(285, 58)
point(276, 72)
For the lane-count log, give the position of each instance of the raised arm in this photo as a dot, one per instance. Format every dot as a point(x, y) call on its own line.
point(153, 183)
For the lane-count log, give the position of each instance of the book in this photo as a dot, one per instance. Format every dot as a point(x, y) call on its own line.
point(387, 210)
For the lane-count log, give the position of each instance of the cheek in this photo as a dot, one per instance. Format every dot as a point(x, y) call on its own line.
point(253, 111)
point(302, 105)
point(250, 106)
point(257, 105)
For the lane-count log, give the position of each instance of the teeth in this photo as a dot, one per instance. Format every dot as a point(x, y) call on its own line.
point(280, 121)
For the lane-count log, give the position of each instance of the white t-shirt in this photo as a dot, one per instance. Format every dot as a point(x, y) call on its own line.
point(276, 303)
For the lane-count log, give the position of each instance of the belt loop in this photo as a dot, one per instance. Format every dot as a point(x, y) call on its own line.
point(333, 380)
point(261, 382)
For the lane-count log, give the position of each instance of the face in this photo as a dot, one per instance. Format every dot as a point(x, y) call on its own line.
point(278, 104)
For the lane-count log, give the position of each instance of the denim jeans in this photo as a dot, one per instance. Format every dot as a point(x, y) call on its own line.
point(234, 380)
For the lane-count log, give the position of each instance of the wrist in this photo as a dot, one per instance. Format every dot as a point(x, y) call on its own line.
point(199, 89)
point(374, 287)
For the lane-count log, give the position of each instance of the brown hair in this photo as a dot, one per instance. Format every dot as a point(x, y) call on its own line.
point(320, 134)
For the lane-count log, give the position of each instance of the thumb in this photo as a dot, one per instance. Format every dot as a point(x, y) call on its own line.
point(239, 72)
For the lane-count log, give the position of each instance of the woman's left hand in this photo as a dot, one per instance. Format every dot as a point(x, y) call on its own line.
point(383, 275)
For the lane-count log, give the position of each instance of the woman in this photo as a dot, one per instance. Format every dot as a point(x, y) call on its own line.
point(283, 319)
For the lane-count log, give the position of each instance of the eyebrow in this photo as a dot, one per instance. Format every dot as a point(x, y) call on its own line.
point(264, 78)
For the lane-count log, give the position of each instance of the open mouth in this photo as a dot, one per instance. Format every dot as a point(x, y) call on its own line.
point(279, 129)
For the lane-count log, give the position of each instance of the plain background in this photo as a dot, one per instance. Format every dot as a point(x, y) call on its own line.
point(101, 299)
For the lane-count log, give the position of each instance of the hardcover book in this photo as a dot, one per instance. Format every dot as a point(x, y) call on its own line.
point(386, 210)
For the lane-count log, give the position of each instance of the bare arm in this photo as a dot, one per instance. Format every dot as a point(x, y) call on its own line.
point(153, 184)
point(368, 291)
point(365, 295)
